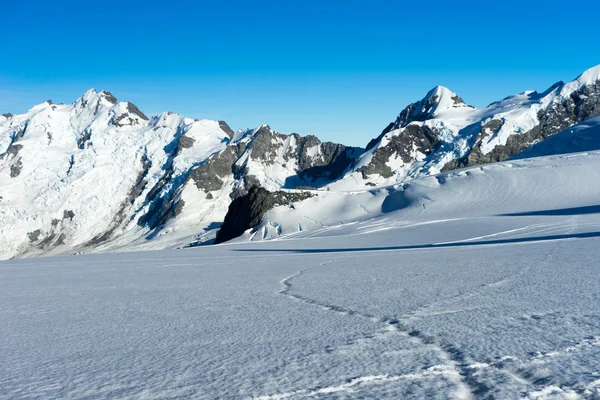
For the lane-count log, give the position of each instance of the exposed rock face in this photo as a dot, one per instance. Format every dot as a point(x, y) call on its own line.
point(15, 168)
point(437, 99)
point(14, 161)
point(413, 138)
point(185, 142)
point(55, 235)
point(246, 212)
point(210, 175)
point(475, 156)
point(330, 162)
point(305, 158)
point(12, 150)
point(579, 106)
point(265, 145)
point(132, 108)
point(584, 136)
point(109, 97)
point(223, 125)
point(334, 161)
point(34, 236)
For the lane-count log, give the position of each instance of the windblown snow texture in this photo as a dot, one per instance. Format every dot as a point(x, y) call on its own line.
point(477, 283)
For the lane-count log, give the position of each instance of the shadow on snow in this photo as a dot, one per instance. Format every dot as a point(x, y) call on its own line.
point(559, 211)
point(583, 235)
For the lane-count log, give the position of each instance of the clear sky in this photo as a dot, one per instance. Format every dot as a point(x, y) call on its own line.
point(339, 70)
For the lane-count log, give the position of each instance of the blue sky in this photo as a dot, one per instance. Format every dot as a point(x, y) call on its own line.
point(339, 70)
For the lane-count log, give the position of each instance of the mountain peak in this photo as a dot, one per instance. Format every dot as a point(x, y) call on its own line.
point(41, 106)
point(589, 76)
point(441, 98)
point(437, 100)
point(261, 130)
point(90, 93)
point(108, 96)
point(93, 96)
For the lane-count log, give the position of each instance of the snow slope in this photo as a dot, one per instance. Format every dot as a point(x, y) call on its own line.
point(477, 283)
point(471, 195)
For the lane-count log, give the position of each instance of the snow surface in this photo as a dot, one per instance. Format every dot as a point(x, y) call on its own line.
point(480, 282)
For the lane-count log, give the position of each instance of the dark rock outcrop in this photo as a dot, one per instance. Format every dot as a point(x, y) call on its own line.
point(225, 128)
point(419, 111)
point(209, 176)
point(109, 97)
point(413, 137)
point(185, 142)
point(330, 160)
point(84, 139)
point(578, 107)
point(127, 118)
point(132, 108)
point(246, 212)
point(12, 150)
point(34, 236)
point(16, 165)
point(15, 168)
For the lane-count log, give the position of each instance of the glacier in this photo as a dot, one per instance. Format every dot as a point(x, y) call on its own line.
point(475, 283)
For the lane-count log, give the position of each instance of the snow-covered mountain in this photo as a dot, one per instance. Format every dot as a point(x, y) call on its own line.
point(442, 133)
point(436, 134)
point(301, 213)
point(99, 174)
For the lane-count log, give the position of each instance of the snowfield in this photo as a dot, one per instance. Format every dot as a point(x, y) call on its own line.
point(477, 283)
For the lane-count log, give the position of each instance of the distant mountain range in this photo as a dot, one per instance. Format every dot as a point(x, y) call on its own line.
point(100, 175)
